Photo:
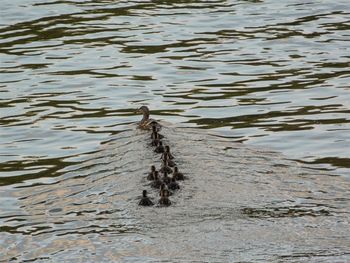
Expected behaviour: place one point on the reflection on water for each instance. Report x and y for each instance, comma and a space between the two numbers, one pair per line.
272, 74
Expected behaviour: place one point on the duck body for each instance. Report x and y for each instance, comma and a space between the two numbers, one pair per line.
164, 201
171, 163
145, 201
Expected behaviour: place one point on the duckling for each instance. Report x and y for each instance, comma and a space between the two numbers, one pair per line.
162, 189
165, 168
157, 126
145, 201
177, 175
156, 140
146, 123
165, 157
155, 132
160, 147
173, 185
156, 183
167, 153
164, 200
166, 179
150, 176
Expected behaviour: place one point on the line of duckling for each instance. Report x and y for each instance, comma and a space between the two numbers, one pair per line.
167, 185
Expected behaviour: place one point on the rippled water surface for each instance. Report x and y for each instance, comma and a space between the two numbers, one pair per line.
262, 85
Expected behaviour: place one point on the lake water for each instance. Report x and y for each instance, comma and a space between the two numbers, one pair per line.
255, 100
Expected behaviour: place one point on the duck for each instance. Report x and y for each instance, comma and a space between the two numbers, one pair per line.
163, 188
165, 157
150, 176
146, 123
173, 185
156, 182
160, 147
166, 179
167, 153
164, 200
155, 140
177, 175
165, 168
155, 133
145, 201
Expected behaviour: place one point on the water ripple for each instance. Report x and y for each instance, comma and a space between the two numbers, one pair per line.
271, 74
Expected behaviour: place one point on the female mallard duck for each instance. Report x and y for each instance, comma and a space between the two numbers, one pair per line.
146, 123
173, 185
150, 176
156, 182
160, 147
145, 201
166, 179
164, 200
165, 168
177, 175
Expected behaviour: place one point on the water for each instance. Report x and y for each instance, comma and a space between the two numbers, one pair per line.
273, 75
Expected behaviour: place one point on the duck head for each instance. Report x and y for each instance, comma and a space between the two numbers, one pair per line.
145, 111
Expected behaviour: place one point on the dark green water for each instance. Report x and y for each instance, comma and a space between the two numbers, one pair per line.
265, 76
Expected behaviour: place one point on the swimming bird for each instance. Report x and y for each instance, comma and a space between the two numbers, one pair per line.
145, 201
165, 157
155, 133
167, 153
151, 173
160, 147
166, 179
164, 200
162, 189
173, 185
156, 182
146, 123
165, 168
177, 175
155, 140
